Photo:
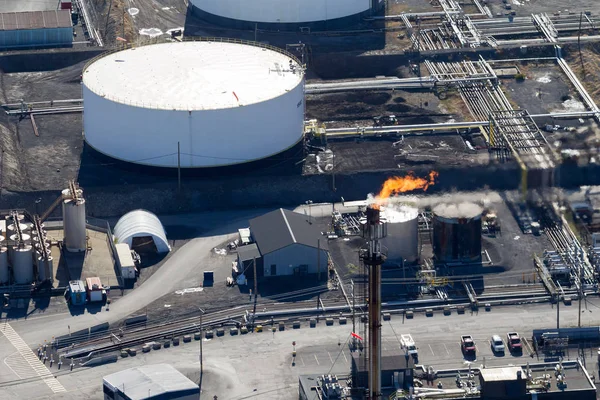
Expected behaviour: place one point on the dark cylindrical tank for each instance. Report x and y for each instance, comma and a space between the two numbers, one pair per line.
457, 233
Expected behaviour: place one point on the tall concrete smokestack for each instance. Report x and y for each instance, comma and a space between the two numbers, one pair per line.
374, 228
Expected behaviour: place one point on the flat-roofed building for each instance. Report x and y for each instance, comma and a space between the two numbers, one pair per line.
36, 29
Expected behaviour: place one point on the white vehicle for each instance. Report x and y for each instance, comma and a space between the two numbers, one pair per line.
497, 344
407, 344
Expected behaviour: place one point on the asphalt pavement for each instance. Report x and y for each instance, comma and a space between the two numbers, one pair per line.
261, 364
183, 269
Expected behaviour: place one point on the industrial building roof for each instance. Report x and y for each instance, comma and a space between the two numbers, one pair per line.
248, 252
140, 223
151, 381
281, 228
35, 20
193, 76
393, 360
76, 286
500, 374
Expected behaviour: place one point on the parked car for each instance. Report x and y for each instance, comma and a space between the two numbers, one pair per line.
467, 344
497, 344
513, 340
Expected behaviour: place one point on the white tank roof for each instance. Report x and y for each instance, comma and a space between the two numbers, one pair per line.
140, 223
192, 75
399, 213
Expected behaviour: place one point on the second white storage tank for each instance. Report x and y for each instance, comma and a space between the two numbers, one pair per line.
74, 221
22, 264
402, 240
4, 272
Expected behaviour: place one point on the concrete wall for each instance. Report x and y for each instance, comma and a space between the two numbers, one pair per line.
289, 257
45, 60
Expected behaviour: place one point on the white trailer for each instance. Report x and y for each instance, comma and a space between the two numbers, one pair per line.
125, 261
408, 345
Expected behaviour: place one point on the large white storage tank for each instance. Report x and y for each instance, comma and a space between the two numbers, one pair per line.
283, 14
220, 102
22, 264
73, 209
402, 240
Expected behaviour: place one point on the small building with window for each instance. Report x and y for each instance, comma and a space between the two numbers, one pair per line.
287, 244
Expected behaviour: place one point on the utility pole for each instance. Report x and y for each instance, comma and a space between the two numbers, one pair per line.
108, 16
123, 28
319, 262
579, 42
580, 296
353, 316
256, 32
178, 168
201, 358
557, 311
255, 293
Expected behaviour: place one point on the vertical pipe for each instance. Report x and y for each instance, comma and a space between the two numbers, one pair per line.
178, 167
318, 260
558, 311
375, 331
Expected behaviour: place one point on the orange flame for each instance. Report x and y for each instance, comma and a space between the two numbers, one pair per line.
408, 183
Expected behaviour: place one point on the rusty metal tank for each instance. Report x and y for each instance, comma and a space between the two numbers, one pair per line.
457, 233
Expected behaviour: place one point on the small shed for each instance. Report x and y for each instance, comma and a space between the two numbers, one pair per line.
159, 381
244, 236
36, 29
396, 370
502, 383
95, 290
142, 231
247, 255
76, 293
125, 261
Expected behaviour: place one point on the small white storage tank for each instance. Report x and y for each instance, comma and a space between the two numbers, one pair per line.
25, 241
402, 240
74, 221
9, 219
44, 268
22, 264
4, 272
12, 228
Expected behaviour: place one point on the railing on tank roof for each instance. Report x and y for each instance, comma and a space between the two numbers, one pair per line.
176, 107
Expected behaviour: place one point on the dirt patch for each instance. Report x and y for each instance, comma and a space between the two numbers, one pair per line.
363, 106
398, 108
588, 72
453, 104
115, 22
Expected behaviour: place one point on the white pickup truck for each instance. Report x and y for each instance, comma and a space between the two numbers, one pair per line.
408, 344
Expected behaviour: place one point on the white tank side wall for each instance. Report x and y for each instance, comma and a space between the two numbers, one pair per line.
4, 273
207, 138
44, 268
283, 11
22, 263
402, 241
74, 225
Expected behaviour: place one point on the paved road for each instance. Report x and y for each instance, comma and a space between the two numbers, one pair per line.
257, 365
181, 270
